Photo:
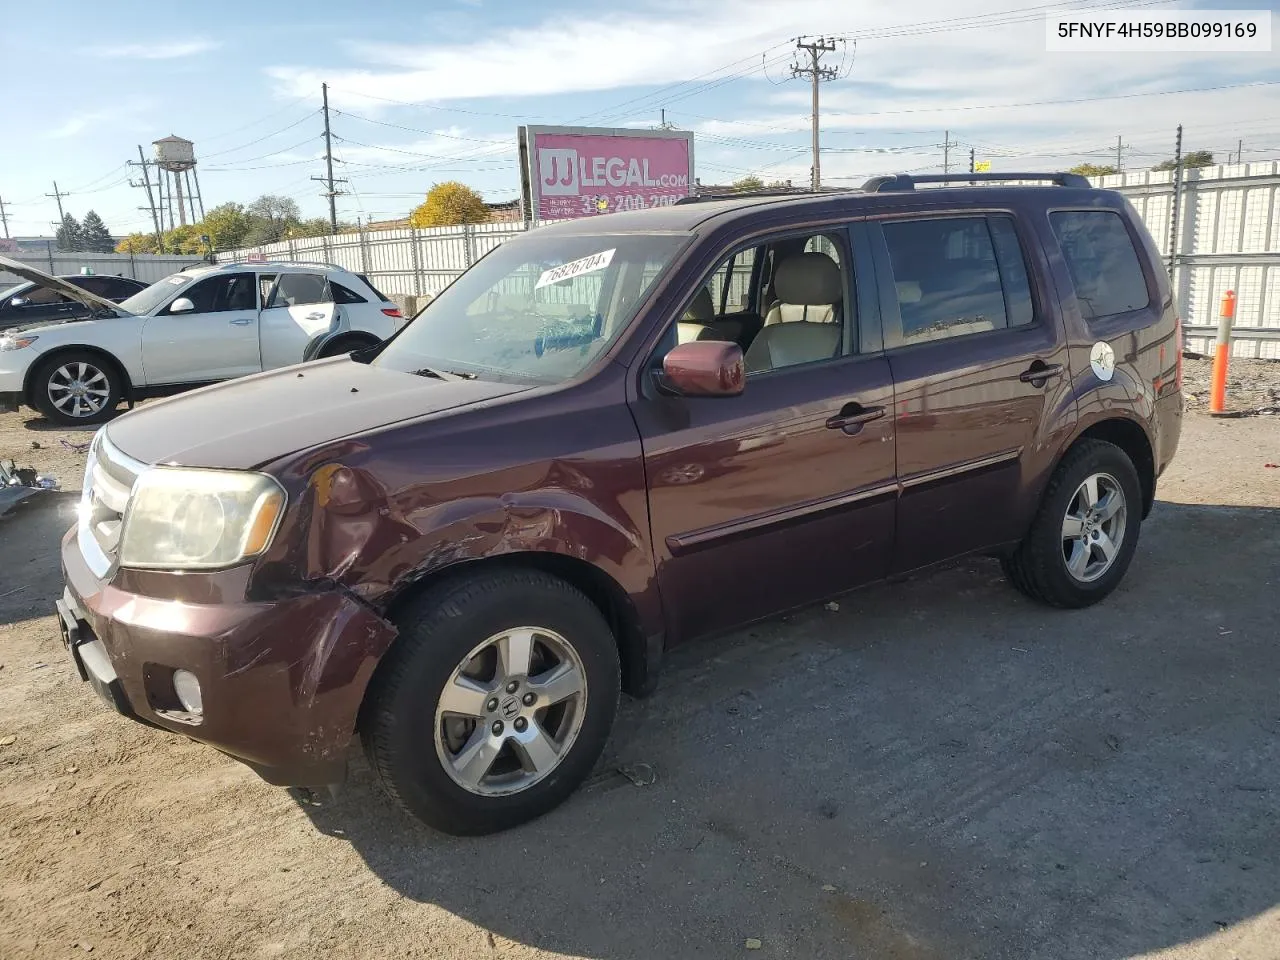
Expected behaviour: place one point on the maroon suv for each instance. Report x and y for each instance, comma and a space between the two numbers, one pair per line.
614, 435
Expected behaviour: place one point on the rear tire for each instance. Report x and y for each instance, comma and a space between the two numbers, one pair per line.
1085, 531
464, 734
341, 345
77, 387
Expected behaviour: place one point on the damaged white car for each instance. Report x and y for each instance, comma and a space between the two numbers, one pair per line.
205, 324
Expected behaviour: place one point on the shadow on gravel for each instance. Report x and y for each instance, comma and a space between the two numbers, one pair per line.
940, 768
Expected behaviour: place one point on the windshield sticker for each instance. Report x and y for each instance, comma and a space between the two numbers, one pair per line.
575, 268
177, 279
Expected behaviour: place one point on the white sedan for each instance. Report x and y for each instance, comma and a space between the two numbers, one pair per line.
202, 325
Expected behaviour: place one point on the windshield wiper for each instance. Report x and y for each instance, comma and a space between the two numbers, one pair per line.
442, 374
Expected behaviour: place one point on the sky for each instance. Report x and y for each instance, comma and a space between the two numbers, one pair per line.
426, 92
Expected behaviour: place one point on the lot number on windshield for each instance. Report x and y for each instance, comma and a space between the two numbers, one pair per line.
575, 268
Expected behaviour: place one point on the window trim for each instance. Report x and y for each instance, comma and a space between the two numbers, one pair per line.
886, 285
1139, 248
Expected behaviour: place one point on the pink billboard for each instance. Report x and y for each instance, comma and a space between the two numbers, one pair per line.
572, 172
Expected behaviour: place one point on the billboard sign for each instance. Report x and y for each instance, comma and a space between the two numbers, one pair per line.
572, 172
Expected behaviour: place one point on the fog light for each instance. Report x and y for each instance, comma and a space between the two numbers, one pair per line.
187, 687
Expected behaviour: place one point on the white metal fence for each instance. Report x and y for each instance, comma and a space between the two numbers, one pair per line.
1228, 239
145, 267
415, 262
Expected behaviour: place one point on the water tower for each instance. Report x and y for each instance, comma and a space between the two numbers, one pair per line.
176, 160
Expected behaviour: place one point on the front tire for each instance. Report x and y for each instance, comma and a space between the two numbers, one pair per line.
1085, 532
77, 388
495, 702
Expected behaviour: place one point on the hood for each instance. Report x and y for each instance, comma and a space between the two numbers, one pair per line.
67, 289
242, 424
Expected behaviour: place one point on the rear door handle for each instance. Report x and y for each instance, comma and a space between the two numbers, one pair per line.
852, 416
1039, 372
241, 321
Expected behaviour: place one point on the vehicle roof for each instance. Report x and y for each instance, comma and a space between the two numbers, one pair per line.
687, 217
275, 266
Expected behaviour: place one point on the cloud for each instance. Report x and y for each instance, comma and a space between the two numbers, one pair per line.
172, 50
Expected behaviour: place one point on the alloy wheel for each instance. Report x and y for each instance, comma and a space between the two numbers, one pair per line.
510, 711
79, 389
1094, 527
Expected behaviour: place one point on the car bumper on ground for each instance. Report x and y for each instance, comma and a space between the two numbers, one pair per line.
280, 683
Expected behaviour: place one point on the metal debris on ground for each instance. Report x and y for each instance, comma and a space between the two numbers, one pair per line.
753, 943
18, 483
641, 774
78, 447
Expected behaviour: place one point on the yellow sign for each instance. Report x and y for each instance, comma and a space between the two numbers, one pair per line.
982, 166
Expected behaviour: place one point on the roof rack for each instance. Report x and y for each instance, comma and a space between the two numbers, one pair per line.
748, 194
897, 182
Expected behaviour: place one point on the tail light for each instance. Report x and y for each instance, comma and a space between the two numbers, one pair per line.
392, 311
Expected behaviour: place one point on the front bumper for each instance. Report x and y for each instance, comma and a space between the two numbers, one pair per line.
281, 682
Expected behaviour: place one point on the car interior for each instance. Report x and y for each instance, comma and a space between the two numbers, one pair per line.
781, 302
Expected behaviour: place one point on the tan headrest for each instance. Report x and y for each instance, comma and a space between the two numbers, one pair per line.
810, 279
702, 309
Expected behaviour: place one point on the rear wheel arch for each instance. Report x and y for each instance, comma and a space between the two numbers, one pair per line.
1129, 436
335, 345
639, 658
29, 381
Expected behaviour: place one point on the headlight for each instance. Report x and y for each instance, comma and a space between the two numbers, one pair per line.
181, 519
16, 343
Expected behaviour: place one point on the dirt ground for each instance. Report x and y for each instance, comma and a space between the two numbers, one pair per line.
936, 769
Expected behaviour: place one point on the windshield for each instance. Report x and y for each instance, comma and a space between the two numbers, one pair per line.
538, 308
144, 301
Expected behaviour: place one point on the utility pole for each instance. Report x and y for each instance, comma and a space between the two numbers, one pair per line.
816, 73
1177, 202
58, 195
1119, 153
947, 144
4, 219
151, 200
331, 193
1239, 151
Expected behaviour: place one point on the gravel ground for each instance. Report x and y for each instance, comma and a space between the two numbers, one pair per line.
935, 769
1253, 386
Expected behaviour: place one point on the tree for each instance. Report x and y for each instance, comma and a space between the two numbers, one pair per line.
1196, 158
137, 243
1093, 169
449, 204
315, 227
94, 235
748, 184
270, 217
69, 233
227, 225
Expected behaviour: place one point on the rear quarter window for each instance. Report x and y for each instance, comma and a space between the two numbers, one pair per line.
1102, 260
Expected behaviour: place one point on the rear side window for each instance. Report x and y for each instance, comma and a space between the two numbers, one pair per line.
342, 295
957, 275
1102, 260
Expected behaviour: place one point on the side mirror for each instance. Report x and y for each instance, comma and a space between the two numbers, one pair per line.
704, 368
19, 302
181, 305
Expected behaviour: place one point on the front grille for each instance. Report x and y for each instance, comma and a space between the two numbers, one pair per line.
108, 482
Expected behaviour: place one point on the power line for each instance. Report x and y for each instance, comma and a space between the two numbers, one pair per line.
274, 133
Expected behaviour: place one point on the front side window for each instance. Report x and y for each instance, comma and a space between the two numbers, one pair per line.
227, 292
948, 279
1103, 263
300, 289
43, 296
540, 308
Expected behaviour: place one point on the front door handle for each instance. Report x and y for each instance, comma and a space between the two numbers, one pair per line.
1039, 372
853, 416
315, 316
241, 321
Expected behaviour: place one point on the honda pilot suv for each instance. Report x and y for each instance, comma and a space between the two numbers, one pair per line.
611, 436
